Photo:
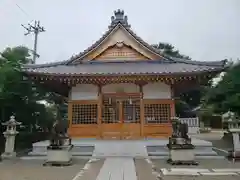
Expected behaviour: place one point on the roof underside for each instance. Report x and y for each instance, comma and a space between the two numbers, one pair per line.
163, 66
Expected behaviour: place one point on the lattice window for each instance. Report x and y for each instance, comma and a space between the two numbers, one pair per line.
157, 113
110, 111
84, 114
131, 111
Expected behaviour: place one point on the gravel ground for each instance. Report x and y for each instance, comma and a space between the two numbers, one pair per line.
216, 138
92, 171
144, 170
33, 170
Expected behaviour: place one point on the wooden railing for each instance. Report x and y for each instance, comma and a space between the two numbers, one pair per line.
193, 124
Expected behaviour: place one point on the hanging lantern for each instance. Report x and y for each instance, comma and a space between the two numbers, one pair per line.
130, 101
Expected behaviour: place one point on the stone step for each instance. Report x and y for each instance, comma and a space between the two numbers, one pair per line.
199, 172
122, 148
197, 153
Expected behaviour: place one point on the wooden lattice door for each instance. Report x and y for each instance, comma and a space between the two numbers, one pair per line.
131, 118
111, 122
121, 117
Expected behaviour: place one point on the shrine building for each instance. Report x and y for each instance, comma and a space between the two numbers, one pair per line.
121, 87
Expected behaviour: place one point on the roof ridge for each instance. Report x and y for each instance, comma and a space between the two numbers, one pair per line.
50, 64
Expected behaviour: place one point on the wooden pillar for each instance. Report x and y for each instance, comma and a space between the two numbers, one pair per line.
173, 113
141, 111
99, 118
121, 120
69, 117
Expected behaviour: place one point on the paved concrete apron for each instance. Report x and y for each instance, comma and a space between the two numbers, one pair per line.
118, 169
120, 149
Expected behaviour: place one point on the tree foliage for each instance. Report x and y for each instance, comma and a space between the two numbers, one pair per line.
169, 50
187, 100
18, 95
226, 94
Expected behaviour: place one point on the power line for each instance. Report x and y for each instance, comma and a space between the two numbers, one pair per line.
22, 10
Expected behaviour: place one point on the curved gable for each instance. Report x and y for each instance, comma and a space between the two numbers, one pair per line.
119, 31
121, 35
120, 52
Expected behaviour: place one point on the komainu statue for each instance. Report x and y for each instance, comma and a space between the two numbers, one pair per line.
59, 150
181, 151
59, 134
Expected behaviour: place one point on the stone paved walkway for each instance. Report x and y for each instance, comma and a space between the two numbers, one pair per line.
118, 169
120, 149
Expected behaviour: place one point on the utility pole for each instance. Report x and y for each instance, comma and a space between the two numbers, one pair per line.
36, 29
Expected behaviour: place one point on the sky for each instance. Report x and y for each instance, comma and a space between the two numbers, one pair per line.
205, 30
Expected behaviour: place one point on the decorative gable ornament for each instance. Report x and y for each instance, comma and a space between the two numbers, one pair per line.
119, 17
119, 44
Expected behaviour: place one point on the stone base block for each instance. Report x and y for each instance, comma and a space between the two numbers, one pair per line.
59, 156
182, 156
234, 155
8, 155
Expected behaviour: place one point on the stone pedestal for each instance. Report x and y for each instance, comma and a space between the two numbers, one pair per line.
234, 154
181, 151
185, 155
10, 135
59, 155
182, 155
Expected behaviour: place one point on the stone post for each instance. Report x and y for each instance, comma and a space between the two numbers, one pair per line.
10, 135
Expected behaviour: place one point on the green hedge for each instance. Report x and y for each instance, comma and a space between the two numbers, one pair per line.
24, 140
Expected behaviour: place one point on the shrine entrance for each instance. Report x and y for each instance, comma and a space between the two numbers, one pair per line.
121, 116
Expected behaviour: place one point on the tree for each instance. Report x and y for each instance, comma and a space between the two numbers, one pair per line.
20, 96
187, 100
169, 50
226, 94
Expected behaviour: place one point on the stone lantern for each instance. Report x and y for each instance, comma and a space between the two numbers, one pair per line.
232, 122
10, 135
234, 131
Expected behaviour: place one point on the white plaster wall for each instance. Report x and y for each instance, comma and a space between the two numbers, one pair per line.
157, 90
84, 92
122, 87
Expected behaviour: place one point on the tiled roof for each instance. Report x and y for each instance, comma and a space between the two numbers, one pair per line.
121, 68
166, 65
